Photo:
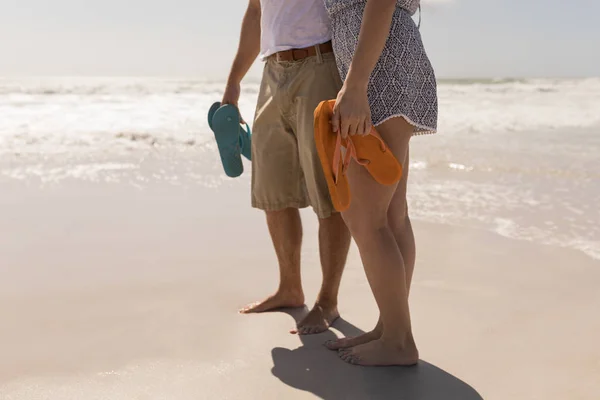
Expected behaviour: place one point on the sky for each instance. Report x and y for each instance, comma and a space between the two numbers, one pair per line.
198, 38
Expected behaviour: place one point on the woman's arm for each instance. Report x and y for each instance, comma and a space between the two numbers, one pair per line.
377, 20
352, 114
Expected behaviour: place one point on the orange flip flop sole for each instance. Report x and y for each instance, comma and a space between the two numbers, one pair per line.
382, 164
327, 145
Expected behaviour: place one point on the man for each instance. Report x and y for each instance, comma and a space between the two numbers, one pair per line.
293, 38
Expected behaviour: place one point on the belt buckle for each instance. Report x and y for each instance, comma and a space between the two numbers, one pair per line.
303, 51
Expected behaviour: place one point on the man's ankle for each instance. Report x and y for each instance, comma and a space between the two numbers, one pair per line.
291, 289
326, 302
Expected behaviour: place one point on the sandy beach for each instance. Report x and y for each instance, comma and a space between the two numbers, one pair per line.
115, 292
125, 253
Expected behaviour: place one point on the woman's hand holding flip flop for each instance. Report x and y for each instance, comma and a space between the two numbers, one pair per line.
352, 114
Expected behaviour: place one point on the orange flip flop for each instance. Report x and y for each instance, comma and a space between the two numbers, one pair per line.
371, 151
329, 148
377, 158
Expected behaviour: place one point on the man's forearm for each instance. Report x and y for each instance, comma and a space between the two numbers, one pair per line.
249, 46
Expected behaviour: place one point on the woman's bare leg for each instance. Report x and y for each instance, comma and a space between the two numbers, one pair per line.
402, 229
401, 225
369, 222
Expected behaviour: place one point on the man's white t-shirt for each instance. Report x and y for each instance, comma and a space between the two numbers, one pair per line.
292, 24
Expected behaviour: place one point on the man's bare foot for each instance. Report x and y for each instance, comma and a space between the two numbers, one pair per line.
281, 299
318, 320
380, 353
345, 343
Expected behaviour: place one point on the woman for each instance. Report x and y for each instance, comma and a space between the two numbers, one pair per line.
389, 83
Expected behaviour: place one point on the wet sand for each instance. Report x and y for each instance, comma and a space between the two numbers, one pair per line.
111, 292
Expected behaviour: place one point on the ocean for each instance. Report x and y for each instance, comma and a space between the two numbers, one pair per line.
519, 157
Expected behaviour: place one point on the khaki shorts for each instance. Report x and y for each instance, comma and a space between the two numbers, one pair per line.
286, 171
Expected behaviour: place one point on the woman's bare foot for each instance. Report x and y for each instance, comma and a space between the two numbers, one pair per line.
281, 299
318, 320
381, 353
345, 343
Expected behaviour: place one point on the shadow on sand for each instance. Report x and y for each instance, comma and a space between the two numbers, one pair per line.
315, 369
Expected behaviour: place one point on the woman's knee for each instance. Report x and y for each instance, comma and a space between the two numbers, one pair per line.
398, 211
365, 225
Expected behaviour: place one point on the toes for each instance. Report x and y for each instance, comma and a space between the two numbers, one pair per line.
349, 357
317, 329
354, 360
309, 330
344, 352
301, 330
346, 356
251, 308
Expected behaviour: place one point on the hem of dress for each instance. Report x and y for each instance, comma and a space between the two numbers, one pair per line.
425, 130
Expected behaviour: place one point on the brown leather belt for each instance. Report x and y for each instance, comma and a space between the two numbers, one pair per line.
300, 54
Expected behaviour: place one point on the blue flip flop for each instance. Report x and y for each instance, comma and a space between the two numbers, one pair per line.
246, 142
211, 113
245, 133
232, 139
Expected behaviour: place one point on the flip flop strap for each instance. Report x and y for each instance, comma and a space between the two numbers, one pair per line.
350, 154
337, 155
376, 134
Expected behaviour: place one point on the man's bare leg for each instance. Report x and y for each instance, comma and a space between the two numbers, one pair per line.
285, 227
334, 243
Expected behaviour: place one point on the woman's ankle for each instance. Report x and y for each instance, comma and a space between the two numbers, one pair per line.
403, 340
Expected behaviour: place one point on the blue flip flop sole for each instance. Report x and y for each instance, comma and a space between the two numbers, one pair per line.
246, 142
211, 113
225, 124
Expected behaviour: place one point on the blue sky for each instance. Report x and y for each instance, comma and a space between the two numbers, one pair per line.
464, 38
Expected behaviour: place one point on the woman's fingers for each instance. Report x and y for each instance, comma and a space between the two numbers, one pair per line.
345, 126
360, 127
357, 127
367, 126
335, 120
350, 124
